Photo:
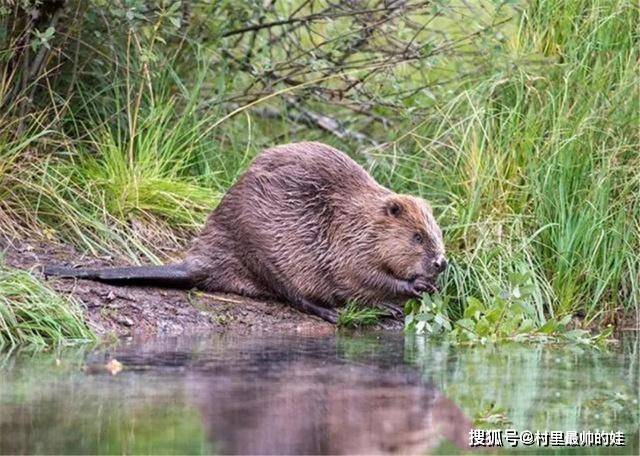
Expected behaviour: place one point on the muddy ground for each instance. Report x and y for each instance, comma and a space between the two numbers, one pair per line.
149, 311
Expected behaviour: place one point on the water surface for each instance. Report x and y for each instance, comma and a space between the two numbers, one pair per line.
348, 393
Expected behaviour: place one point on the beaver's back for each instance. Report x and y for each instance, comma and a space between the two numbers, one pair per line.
313, 162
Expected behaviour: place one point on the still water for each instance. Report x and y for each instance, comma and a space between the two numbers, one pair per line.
345, 393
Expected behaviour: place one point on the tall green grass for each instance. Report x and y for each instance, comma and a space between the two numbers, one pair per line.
536, 169
131, 188
31, 313
135, 176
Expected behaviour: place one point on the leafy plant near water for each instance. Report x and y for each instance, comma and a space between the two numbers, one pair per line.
534, 169
508, 316
32, 313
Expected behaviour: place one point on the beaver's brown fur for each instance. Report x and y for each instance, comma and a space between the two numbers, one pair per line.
308, 225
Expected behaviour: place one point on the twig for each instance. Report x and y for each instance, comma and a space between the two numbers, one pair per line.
309, 18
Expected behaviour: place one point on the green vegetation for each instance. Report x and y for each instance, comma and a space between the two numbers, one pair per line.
32, 313
353, 316
517, 120
536, 168
509, 316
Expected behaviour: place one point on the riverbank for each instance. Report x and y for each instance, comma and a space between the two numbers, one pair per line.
144, 312
93, 309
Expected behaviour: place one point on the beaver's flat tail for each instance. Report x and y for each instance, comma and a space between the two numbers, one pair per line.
170, 276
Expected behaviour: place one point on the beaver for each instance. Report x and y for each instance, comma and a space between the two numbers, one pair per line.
307, 225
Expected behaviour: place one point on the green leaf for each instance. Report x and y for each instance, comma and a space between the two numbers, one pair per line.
474, 308
527, 290
510, 325
408, 319
516, 292
443, 321
483, 327
517, 278
466, 323
493, 315
519, 308
175, 21
48, 34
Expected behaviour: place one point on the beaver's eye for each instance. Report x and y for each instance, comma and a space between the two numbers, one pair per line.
417, 238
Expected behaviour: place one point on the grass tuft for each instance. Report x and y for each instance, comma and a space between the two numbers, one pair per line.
32, 313
353, 316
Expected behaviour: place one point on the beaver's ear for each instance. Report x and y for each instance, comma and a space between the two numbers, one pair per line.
393, 207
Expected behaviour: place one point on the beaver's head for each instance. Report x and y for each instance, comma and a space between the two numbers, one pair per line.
409, 240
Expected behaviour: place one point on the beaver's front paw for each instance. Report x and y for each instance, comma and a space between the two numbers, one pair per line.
419, 286
415, 287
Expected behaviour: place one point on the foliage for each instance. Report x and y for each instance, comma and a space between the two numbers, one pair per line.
353, 315
32, 313
534, 169
508, 316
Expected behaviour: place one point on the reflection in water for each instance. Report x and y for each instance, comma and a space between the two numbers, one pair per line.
287, 395
343, 394
318, 404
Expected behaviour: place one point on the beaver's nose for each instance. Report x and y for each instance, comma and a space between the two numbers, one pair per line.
440, 264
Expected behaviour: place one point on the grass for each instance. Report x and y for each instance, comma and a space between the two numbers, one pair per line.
531, 165
535, 169
354, 316
31, 313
